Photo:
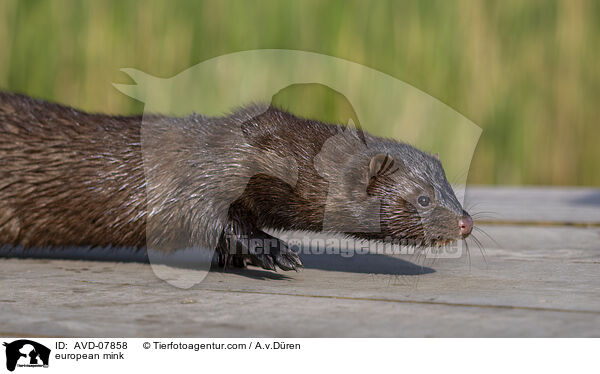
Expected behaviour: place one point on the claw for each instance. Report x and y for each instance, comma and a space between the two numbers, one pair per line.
275, 256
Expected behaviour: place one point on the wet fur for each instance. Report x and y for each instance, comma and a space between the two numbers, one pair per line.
73, 178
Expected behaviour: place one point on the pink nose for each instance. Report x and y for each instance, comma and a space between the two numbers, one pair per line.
466, 225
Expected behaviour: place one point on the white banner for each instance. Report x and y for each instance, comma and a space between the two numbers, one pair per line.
151, 355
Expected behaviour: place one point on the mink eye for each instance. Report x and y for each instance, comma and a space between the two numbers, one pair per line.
423, 201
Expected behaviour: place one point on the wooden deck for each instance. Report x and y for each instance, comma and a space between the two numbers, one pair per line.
540, 277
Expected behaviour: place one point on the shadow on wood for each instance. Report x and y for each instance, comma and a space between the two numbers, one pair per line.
364, 263
358, 263
592, 198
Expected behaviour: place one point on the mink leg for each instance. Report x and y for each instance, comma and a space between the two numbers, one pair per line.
241, 245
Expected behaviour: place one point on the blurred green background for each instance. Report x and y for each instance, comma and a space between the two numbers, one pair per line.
526, 72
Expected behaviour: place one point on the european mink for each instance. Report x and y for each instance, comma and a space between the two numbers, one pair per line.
69, 178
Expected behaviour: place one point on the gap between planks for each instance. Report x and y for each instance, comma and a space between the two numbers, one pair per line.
537, 223
422, 302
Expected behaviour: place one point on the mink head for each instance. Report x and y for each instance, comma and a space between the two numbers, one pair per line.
418, 204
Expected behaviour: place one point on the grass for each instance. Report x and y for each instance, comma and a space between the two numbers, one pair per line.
525, 72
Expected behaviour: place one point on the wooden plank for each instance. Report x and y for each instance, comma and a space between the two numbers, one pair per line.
535, 204
518, 292
71, 298
535, 281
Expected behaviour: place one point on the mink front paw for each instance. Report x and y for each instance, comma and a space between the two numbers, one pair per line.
286, 259
279, 255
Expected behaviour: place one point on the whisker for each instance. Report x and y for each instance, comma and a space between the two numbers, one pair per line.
481, 249
474, 208
479, 229
468, 253
485, 215
472, 205
459, 176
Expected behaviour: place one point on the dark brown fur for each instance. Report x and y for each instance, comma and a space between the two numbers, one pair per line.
69, 178
72, 178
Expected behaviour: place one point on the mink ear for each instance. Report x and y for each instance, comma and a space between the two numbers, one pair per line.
381, 165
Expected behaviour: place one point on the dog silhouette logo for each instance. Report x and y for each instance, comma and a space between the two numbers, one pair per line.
26, 353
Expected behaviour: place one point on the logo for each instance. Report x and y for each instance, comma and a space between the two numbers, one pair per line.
290, 79
26, 353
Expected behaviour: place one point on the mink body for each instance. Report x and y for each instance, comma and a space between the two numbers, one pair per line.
70, 178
